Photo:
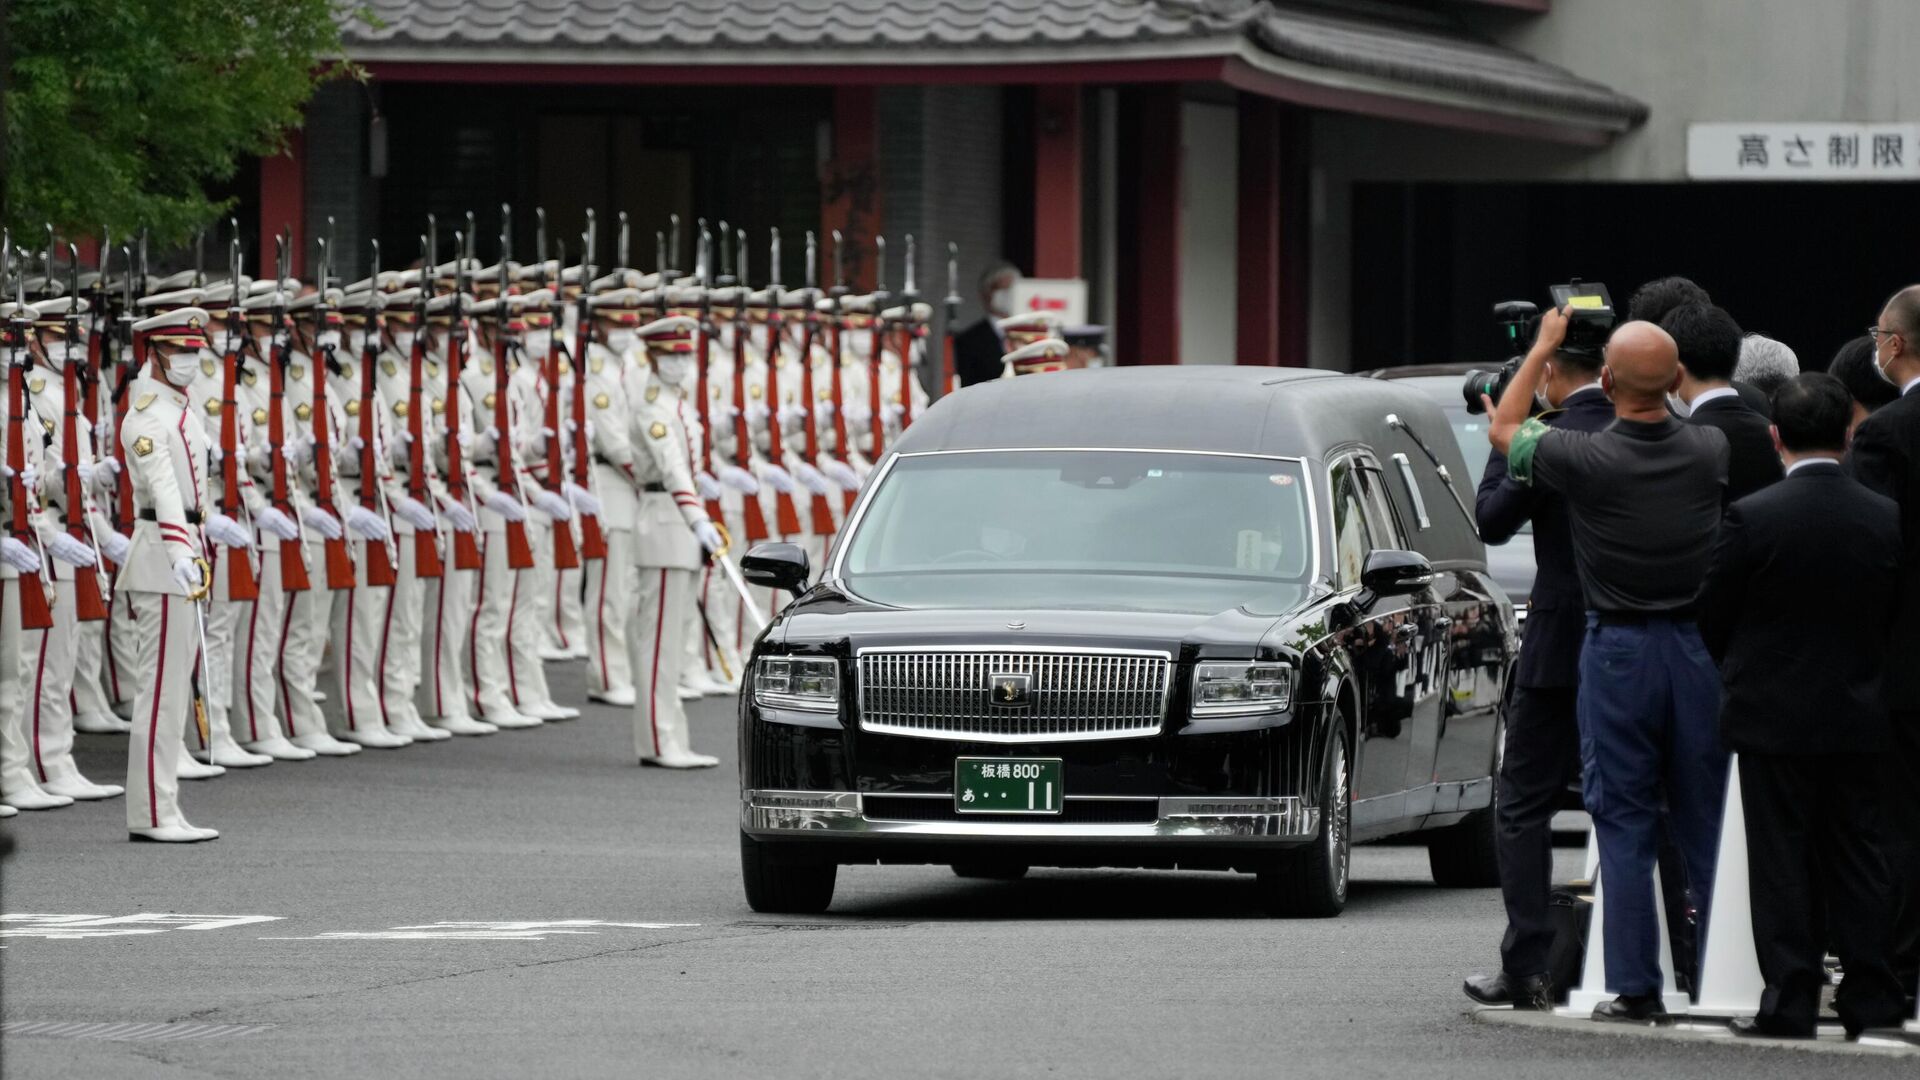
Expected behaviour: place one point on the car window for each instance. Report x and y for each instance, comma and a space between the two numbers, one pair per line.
1351, 539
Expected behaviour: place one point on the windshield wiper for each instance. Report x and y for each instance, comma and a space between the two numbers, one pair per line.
1394, 421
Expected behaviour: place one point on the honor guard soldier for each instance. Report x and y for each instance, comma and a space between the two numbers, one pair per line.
714, 634
610, 581
166, 574
568, 629
673, 531
49, 653
1034, 344
22, 569
901, 393
530, 617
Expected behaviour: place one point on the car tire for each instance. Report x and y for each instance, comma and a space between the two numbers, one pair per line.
780, 880
1311, 881
990, 871
1466, 854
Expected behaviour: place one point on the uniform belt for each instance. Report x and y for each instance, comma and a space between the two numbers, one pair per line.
1683, 613
662, 488
193, 516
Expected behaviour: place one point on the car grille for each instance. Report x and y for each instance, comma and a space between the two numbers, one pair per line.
948, 694
1076, 811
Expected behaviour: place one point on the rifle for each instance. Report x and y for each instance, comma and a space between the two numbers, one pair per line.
383, 563
91, 596
519, 551
293, 560
98, 331
786, 517
835, 319
129, 363
426, 542
339, 552
36, 594
909, 330
565, 556
702, 350
756, 519
953, 320
243, 583
877, 423
466, 547
821, 511
593, 543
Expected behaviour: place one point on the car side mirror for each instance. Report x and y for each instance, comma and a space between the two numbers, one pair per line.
776, 566
1392, 573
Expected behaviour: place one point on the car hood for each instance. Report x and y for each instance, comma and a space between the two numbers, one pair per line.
828, 618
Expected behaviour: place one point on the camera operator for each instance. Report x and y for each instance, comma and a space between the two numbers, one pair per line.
1643, 498
1542, 736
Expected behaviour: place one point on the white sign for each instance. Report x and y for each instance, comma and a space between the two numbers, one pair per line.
1065, 297
1803, 151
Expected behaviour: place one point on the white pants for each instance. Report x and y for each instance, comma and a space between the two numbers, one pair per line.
487, 636
89, 670
609, 602
259, 710
169, 647
224, 620
358, 627
447, 617
304, 621
664, 598
569, 610
46, 672
529, 616
400, 670
16, 750
123, 653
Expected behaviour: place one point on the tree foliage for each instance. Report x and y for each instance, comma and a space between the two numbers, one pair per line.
121, 112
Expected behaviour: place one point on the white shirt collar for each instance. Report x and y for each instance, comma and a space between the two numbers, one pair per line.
1804, 463
1710, 395
1911, 383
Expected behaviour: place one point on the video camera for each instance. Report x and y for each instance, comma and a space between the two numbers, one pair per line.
1590, 317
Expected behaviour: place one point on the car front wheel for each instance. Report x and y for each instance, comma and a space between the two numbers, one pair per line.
782, 880
1311, 881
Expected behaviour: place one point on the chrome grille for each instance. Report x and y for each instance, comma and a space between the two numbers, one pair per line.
947, 694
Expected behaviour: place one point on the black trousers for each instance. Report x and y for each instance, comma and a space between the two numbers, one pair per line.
1816, 874
1901, 765
1542, 758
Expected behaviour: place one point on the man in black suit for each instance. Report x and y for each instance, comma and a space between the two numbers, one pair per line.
977, 349
1709, 342
1653, 301
1542, 739
1886, 457
1796, 608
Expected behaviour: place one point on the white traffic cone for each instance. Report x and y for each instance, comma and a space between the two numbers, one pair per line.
1593, 973
1730, 982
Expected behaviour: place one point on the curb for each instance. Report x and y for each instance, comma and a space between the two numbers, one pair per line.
1702, 1030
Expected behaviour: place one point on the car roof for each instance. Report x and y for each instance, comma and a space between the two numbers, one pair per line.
1291, 412
1415, 371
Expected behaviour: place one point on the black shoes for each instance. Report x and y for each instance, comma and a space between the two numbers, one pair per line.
1752, 1027
1534, 992
1632, 1009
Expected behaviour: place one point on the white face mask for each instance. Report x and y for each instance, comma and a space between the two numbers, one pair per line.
403, 341
220, 340
621, 341
182, 366
60, 353
1882, 368
539, 343
329, 339
1000, 303
860, 343
673, 368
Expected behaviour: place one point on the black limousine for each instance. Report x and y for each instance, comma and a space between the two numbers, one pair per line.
1224, 618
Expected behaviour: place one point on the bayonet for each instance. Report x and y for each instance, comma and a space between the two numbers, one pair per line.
540, 246
199, 243
773, 268
429, 258
740, 238
726, 277
673, 244
879, 271
839, 287
620, 248
813, 255
907, 290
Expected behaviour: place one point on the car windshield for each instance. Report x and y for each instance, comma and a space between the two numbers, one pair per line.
1110, 529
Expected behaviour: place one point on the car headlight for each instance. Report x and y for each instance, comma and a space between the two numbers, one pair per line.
810, 684
1240, 688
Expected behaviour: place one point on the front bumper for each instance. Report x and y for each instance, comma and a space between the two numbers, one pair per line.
1282, 821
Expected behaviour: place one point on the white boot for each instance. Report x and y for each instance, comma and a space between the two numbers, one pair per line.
411, 726
324, 744
547, 710
463, 725
681, 759
279, 749
79, 788
33, 797
513, 720
192, 768
375, 738
101, 724
173, 834
7, 811
622, 696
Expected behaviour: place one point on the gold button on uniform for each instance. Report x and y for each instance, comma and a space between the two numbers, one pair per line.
143, 446
391, 369
207, 366
400, 408
303, 411
653, 394
439, 406
601, 401
489, 400
658, 430
296, 373
259, 416
353, 407
213, 406
36, 385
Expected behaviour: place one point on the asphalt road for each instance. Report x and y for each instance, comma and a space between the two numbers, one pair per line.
407, 890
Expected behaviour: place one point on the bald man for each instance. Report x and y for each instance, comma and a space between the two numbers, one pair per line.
1643, 497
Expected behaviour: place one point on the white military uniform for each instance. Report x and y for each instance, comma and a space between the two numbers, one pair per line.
715, 668
531, 605
167, 463
568, 633
667, 557
93, 704
610, 581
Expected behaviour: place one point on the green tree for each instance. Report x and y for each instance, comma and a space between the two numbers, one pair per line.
120, 112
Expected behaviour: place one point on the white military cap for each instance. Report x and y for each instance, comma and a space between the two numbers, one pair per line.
537, 300
384, 281
362, 301
1047, 354
265, 285
54, 311
671, 334
177, 298
45, 286
181, 326
220, 294
181, 280
623, 306
922, 312
623, 279
443, 305
312, 299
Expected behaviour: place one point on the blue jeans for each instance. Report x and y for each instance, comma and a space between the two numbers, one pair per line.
1649, 711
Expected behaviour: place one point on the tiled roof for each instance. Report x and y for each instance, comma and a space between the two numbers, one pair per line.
1404, 48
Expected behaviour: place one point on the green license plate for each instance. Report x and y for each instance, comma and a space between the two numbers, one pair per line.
1007, 785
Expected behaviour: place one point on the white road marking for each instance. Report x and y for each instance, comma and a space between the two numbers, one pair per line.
76, 927
486, 930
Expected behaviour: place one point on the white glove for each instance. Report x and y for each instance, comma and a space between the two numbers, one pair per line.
589, 431
583, 500
228, 531
457, 516
367, 525
811, 478
115, 545
215, 454
493, 434
19, 556
103, 428
791, 415
778, 479
893, 412
739, 480
826, 409
322, 522
6, 471
466, 441
30, 478
858, 413
406, 436
709, 536
709, 490
506, 506
553, 505
299, 452
187, 573
726, 413
356, 444
89, 473
757, 413
240, 455
112, 464
274, 523
416, 514
841, 474
71, 551
547, 433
